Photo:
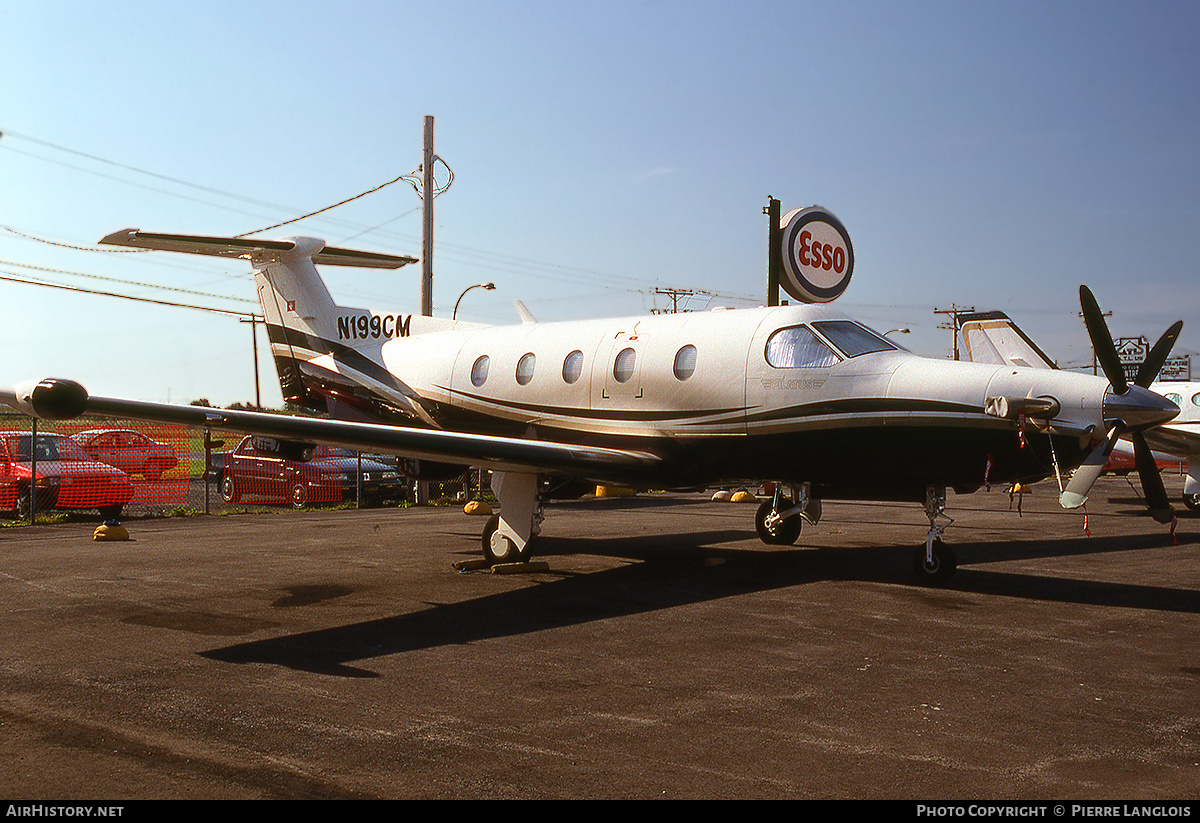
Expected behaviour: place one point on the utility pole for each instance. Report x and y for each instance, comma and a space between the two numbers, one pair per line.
427, 222
423, 486
254, 320
674, 294
1094, 363
953, 312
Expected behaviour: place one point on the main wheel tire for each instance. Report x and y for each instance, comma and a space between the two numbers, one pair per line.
938, 572
506, 551
24, 503
784, 533
1192, 501
229, 489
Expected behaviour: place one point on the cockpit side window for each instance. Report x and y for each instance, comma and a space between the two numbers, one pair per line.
852, 339
798, 347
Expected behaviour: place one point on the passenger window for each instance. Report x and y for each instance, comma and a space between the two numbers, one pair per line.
685, 362
1174, 398
573, 366
1196, 399
797, 347
623, 365
525, 369
479, 371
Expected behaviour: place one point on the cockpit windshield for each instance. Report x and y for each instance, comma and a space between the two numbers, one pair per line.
851, 338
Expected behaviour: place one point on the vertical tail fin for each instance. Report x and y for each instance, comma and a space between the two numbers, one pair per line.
313, 340
991, 337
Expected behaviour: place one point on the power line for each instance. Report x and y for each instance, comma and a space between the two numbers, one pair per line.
29, 282
125, 282
494, 260
675, 295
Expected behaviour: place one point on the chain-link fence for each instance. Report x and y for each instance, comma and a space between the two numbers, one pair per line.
113, 467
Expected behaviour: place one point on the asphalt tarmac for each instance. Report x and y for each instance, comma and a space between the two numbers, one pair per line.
667, 653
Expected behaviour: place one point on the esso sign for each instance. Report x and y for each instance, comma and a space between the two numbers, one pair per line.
817, 256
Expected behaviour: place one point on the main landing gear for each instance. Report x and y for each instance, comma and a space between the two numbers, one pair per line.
778, 520
507, 535
934, 562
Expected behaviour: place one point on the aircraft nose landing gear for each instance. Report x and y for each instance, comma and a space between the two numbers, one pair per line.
935, 562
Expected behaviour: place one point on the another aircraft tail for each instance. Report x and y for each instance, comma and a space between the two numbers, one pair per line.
991, 337
323, 352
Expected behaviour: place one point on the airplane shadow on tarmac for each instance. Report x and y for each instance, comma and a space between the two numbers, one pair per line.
677, 570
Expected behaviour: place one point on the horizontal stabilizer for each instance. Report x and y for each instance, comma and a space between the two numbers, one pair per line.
254, 249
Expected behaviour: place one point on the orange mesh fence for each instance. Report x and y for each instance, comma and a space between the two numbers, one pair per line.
96, 464
115, 465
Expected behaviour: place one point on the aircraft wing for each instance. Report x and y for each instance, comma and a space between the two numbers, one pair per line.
63, 399
1181, 440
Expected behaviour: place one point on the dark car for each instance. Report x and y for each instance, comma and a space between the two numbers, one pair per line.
262, 467
130, 451
66, 477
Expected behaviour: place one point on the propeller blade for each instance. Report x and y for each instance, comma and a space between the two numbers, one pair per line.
1102, 344
1076, 492
1152, 484
1157, 356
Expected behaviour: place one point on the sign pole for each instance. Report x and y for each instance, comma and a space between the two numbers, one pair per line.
774, 253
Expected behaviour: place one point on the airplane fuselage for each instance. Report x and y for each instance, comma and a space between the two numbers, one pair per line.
1184, 431
791, 393
799, 395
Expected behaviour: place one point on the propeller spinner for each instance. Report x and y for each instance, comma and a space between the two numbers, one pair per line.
1129, 409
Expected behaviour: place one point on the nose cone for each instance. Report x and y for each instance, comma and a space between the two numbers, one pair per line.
1138, 408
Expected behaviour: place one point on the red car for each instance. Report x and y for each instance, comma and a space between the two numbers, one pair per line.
67, 478
130, 451
264, 467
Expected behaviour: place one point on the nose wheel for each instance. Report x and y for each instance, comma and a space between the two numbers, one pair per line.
935, 562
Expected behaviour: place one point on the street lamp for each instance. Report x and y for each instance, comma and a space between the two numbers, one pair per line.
488, 286
897, 331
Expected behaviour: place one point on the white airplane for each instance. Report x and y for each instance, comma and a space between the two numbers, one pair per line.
991, 337
800, 395
1181, 437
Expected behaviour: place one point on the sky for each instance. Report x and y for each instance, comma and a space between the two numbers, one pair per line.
993, 155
